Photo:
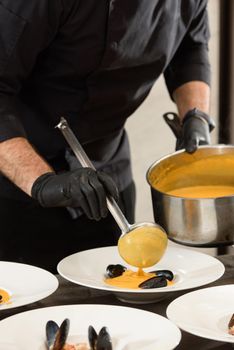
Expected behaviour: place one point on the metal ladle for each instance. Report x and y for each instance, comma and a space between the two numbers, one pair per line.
140, 245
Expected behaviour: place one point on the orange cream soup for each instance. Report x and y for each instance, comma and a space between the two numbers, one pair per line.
209, 177
5, 297
130, 279
203, 191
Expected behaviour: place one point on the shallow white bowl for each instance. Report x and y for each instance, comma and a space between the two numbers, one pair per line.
129, 328
25, 283
205, 312
191, 269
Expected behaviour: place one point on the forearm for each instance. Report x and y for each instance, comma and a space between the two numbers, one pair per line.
195, 94
21, 164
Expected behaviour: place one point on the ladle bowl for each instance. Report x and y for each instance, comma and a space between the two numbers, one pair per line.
144, 245
140, 245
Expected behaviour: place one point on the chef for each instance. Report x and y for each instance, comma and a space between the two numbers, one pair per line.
93, 62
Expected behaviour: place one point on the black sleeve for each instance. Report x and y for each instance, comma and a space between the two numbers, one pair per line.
191, 61
26, 28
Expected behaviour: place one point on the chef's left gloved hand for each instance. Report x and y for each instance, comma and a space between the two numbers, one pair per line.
193, 131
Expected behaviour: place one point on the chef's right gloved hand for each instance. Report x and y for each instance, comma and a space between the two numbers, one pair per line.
82, 188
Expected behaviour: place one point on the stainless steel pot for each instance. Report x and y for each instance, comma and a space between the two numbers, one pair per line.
198, 222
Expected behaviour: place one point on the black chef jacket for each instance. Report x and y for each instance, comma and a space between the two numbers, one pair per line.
93, 61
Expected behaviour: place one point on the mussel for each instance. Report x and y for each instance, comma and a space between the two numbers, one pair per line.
166, 273
101, 341
56, 337
154, 282
115, 270
231, 325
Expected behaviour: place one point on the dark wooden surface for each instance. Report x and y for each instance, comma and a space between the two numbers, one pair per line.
69, 293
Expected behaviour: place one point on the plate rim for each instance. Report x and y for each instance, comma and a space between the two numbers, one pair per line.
227, 340
76, 307
33, 298
144, 291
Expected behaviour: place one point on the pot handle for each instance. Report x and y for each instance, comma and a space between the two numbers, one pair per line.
173, 122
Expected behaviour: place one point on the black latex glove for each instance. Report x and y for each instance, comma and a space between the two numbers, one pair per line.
82, 188
193, 131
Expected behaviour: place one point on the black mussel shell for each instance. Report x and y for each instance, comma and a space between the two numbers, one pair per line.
101, 341
115, 270
154, 282
92, 336
56, 336
51, 331
166, 273
104, 340
231, 322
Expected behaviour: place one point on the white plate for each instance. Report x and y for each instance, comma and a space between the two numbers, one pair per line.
205, 312
25, 283
191, 269
130, 329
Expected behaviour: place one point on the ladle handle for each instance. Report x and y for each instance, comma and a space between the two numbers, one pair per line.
86, 162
